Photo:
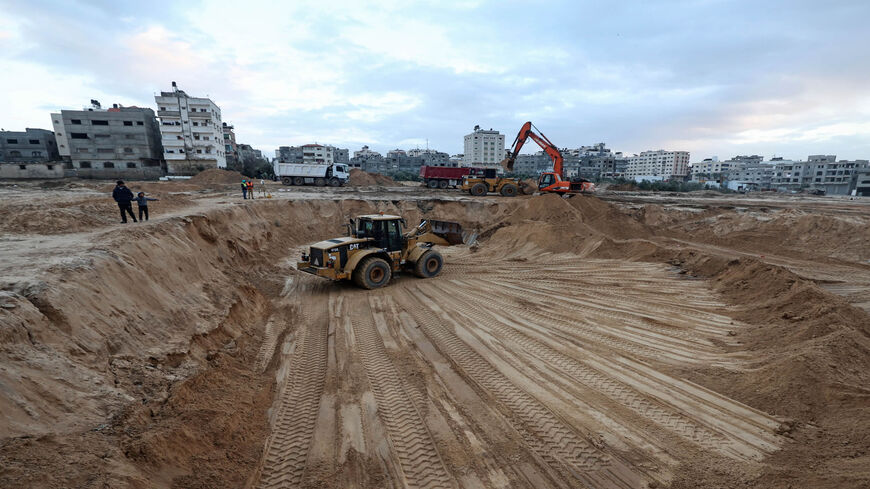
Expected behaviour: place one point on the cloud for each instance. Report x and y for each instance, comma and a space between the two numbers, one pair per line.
710, 77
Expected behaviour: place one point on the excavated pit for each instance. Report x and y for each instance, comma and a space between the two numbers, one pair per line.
580, 344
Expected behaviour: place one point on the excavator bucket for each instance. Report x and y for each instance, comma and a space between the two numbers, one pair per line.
452, 232
507, 164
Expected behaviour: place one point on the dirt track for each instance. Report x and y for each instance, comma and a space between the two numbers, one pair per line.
653, 344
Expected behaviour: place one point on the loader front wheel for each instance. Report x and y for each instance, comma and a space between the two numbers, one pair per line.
429, 264
509, 190
479, 190
372, 273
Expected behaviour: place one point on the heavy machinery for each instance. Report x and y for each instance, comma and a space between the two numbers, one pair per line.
377, 249
552, 181
488, 180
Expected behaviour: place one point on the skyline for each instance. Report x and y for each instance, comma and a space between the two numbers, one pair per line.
711, 77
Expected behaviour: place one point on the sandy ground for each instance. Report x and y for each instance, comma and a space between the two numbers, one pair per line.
628, 341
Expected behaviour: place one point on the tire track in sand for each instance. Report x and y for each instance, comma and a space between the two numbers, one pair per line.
411, 441
620, 393
286, 449
545, 433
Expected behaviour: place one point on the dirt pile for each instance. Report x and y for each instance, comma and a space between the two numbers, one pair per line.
217, 176
360, 178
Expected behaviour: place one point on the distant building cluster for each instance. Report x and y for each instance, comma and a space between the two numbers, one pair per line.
821, 174
184, 137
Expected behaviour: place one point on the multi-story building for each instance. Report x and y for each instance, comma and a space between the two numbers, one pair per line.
710, 168
317, 154
192, 132
658, 165
289, 154
341, 155
365, 153
819, 172
28, 146
860, 182
120, 142
231, 149
484, 147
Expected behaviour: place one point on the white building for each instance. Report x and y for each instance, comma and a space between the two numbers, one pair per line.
658, 165
483, 148
192, 132
317, 154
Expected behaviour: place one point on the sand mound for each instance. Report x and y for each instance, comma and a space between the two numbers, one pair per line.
360, 178
217, 176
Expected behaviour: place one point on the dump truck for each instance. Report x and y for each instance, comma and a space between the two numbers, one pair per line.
334, 175
378, 247
488, 181
446, 176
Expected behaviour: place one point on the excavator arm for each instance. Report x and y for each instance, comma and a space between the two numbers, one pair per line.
525, 133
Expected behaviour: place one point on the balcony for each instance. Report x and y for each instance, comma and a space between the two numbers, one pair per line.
168, 113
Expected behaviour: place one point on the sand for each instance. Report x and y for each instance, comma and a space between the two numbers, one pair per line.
217, 176
360, 178
582, 342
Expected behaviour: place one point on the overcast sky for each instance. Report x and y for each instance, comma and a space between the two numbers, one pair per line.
714, 77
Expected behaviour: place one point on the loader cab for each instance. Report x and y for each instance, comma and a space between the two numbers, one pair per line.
385, 230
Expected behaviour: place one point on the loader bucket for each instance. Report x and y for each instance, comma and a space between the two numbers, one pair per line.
452, 232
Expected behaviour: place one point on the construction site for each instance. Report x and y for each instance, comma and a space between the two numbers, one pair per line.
602, 340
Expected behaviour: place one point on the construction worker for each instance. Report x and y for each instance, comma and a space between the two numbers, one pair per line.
250, 185
244, 189
124, 197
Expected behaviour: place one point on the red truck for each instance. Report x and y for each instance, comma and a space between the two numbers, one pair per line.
445, 176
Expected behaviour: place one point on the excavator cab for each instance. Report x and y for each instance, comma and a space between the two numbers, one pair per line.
546, 180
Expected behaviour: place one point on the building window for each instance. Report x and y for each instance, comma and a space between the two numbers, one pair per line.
162, 108
199, 151
15, 153
181, 151
128, 123
105, 150
78, 135
12, 141
84, 164
205, 137
179, 137
34, 141
36, 153
139, 123
128, 150
195, 123
131, 165
101, 135
82, 150
100, 123
169, 151
50, 167
77, 122
22, 167
108, 164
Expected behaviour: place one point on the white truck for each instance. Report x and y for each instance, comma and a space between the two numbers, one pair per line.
334, 175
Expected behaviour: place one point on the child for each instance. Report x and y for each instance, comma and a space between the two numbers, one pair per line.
143, 204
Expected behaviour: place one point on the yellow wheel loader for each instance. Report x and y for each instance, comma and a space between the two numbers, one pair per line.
378, 248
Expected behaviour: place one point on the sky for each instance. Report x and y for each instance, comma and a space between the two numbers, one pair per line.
713, 77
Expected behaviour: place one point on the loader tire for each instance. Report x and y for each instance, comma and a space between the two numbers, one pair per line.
508, 190
429, 264
372, 273
479, 190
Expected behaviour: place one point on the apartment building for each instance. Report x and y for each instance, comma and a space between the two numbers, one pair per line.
119, 142
318, 154
192, 132
28, 146
658, 165
819, 172
484, 147
231, 148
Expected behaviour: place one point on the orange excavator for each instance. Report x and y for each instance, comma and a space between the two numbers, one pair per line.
551, 181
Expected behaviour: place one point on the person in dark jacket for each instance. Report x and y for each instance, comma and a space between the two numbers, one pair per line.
124, 197
244, 189
143, 205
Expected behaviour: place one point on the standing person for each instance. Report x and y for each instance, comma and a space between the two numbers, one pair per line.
124, 197
251, 188
244, 189
143, 204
